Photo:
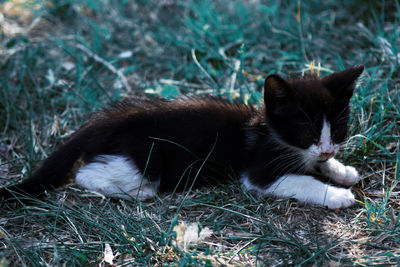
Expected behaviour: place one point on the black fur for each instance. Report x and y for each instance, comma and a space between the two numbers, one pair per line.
170, 141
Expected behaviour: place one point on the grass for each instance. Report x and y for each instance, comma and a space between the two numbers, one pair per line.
60, 60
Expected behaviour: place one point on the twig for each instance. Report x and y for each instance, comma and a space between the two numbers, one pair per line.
234, 76
183, 84
241, 248
199, 65
108, 65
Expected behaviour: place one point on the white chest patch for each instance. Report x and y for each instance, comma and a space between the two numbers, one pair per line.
115, 176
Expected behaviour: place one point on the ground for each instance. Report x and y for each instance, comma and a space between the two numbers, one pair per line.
61, 60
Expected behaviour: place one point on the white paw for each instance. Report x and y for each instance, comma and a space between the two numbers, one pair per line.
350, 177
337, 198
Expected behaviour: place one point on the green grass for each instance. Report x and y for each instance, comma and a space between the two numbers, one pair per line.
69, 58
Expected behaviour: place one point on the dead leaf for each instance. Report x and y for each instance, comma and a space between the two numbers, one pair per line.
108, 254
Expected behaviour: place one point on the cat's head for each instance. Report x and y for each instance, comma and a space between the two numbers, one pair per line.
311, 114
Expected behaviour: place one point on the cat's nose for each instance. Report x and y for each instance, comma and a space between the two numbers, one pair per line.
326, 150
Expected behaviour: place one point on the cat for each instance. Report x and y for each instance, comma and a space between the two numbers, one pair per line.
134, 149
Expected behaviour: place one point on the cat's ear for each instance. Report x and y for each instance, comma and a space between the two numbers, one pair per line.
278, 95
342, 83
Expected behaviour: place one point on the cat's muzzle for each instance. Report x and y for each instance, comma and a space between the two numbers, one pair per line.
323, 157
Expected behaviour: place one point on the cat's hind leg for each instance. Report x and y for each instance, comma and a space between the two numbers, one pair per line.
115, 176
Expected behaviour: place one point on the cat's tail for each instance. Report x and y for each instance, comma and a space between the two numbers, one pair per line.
51, 173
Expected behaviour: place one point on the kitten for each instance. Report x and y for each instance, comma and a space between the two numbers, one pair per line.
134, 149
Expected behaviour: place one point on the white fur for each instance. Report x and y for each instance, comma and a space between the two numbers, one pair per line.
305, 189
310, 157
325, 141
244, 179
115, 176
339, 173
325, 145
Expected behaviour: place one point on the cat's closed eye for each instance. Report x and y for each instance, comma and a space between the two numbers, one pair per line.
310, 135
338, 133
307, 129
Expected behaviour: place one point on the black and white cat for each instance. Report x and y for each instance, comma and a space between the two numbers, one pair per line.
133, 149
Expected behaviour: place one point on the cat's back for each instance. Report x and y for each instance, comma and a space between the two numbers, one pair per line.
183, 110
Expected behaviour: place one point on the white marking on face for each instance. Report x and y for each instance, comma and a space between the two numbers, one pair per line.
325, 148
115, 176
325, 142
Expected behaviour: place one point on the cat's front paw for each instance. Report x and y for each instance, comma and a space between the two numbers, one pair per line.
350, 177
338, 198
339, 173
